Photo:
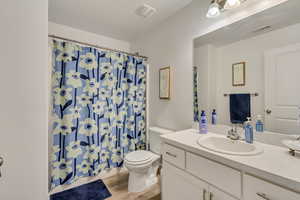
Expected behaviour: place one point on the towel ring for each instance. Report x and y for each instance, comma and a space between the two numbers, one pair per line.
252, 94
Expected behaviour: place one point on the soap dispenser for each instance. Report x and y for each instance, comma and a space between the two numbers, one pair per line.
214, 117
203, 123
259, 124
248, 131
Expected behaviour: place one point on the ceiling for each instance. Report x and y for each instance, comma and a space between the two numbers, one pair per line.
112, 18
277, 17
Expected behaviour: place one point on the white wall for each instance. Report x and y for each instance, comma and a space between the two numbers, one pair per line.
250, 51
171, 43
23, 104
87, 37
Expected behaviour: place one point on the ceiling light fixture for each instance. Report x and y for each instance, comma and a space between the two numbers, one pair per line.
230, 4
213, 10
217, 6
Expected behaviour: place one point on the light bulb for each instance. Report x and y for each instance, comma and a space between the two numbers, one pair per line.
213, 10
232, 4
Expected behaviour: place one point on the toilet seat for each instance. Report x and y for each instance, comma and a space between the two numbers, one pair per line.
140, 157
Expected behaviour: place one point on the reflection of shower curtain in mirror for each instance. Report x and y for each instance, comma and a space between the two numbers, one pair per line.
98, 109
195, 93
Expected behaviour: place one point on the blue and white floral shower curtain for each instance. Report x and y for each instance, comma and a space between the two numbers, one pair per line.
195, 94
99, 110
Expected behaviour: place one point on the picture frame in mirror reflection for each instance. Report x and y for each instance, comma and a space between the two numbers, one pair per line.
164, 83
239, 74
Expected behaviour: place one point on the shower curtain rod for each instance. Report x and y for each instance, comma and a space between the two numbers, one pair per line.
96, 46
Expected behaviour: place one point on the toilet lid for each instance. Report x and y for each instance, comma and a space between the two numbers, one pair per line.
139, 156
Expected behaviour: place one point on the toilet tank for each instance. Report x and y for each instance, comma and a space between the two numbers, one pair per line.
154, 138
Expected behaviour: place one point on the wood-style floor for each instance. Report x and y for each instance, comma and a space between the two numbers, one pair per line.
117, 185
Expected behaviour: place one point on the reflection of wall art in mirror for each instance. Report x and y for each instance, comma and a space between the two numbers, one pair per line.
239, 74
164, 83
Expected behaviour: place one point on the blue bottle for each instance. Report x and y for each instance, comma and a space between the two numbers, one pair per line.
259, 127
214, 117
248, 131
203, 123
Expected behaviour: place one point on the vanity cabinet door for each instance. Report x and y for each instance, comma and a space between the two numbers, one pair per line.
257, 189
221, 176
178, 185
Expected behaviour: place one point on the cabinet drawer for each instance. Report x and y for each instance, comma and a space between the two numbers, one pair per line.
221, 176
174, 155
257, 189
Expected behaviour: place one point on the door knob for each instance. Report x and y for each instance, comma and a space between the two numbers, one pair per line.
268, 111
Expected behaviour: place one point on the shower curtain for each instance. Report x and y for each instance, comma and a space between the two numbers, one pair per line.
195, 94
98, 110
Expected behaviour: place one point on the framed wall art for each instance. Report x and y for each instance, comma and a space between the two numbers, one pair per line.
239, 74
164, 82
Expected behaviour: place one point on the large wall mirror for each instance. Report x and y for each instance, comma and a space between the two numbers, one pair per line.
258, 57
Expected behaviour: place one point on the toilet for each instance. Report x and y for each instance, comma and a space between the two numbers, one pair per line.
143, 165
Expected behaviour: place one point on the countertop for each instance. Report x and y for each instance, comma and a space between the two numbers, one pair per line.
275, 164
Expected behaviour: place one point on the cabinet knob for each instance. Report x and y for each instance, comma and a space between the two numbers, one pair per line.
211, 196
204, 194
262, 195
170, 154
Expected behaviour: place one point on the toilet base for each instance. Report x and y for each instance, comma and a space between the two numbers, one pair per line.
142, 175
139, 182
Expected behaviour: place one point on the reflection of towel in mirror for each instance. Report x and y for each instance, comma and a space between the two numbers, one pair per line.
239, 105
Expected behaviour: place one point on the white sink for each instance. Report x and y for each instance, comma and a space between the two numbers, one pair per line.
226, 146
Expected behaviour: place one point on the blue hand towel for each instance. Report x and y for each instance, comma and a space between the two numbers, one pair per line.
91, 191
240, 108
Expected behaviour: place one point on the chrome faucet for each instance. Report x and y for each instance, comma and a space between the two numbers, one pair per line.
233, 134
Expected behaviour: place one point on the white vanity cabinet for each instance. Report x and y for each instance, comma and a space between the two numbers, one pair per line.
187, 176
180, 181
